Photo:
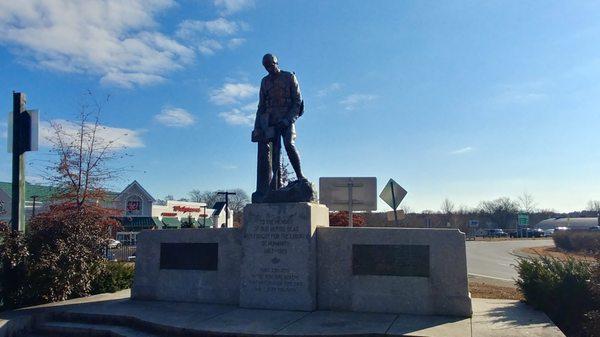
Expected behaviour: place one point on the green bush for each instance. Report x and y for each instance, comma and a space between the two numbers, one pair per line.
577, 241
57, 258
559, 288
592, 318
114, 276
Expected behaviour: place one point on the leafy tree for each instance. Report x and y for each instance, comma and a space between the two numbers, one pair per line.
340, 219
60, 254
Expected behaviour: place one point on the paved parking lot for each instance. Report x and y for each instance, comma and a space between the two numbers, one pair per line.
493, 259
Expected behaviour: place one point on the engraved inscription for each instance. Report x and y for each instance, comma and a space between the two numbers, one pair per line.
390, 260
272, 239
189, 256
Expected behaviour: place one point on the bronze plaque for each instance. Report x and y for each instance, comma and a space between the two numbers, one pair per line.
189, 256
390, 260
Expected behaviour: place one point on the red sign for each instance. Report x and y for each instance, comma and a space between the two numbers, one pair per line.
133, 206
185, 209
168, 214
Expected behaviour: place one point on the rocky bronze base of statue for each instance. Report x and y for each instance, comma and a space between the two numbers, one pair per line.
296, 191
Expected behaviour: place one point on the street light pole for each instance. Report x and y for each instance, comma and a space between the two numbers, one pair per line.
226, 194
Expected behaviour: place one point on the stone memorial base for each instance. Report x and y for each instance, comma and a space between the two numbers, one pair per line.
279, 264
287, 258
393, 270
191, 265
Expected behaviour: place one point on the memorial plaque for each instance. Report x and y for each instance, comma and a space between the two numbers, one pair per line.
279, 262
189, 256
390, 260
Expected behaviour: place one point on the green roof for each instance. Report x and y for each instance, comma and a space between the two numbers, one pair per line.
200, 222
171, 223
43, 192
134, 224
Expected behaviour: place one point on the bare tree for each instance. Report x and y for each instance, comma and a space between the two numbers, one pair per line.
501, 211
238, 200
593, 206
84, 157
527, 203
447, 212
207, 197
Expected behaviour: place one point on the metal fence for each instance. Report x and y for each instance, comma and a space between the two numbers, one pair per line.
122, 252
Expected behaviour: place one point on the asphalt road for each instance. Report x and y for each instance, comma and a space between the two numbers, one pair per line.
492, 259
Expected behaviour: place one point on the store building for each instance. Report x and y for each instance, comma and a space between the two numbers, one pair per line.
138, 211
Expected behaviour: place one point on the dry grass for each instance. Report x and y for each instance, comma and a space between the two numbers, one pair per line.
556, 253
486, 290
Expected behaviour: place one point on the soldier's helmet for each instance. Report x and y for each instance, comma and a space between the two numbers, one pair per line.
269, 58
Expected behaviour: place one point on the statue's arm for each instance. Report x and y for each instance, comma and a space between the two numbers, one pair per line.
296, 97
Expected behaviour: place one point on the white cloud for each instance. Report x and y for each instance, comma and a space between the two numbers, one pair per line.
522, 93
235, 42
209, 47
175, 117
231, 6
192, 28
240, 116
462, 150
116, 138
333, 87
232, 93
113, 39
353, 101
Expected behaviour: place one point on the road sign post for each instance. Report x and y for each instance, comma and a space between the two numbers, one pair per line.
348, 193
393, 194
23, 133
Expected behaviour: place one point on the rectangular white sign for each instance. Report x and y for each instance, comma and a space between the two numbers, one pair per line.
335, 192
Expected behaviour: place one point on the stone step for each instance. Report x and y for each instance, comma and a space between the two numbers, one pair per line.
78, 329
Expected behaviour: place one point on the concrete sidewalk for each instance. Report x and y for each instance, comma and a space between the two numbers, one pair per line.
111, 312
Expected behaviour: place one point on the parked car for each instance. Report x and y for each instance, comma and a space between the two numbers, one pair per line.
595, 229
496, 233
549, 232
528, 233
131, 258
537, 233
112, 243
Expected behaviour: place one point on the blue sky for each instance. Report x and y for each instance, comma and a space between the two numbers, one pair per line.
465, 100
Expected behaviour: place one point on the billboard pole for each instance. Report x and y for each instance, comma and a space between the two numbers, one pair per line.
18, 162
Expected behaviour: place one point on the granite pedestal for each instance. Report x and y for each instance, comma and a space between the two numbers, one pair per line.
286, 257
279, 263
393, 270
191, 265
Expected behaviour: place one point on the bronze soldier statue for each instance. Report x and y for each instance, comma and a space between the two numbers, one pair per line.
280, 104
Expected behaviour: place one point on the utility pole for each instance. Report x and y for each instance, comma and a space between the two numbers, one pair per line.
204, 224
19, 139
226, 194
33, 210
